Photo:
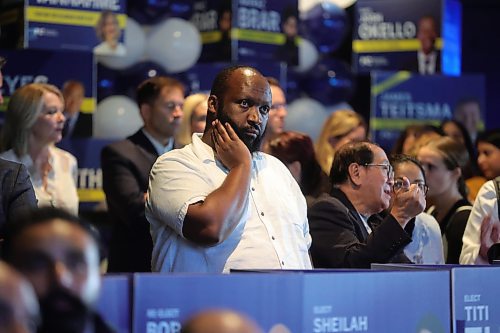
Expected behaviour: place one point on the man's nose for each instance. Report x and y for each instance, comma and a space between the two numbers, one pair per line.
178, 112
62, 275
255, 116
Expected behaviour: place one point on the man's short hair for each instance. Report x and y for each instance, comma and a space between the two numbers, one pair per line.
220, 84
38, 216
354, 152
149, 90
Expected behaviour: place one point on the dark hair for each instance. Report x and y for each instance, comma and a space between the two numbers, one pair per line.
418, 129
3, 61
149, 90
471, 168
354, 152
454, 156
490, 136
36, 216
291, 146
397, 159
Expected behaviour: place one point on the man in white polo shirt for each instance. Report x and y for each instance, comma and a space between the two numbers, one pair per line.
219, 203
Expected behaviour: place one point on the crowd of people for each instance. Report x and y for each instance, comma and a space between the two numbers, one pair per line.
213, 182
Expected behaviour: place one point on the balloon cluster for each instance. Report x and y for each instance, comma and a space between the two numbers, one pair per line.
171, 46
320, 81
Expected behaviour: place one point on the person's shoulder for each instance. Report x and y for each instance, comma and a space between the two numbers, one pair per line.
9, 156
8, 165
63, 154
488, 187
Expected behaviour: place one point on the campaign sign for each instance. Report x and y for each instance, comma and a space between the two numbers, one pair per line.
246, 30
399, 99
89, 180
422, 36
28, 66
377, 302
476, 299
76, 25
114, 302
163, 302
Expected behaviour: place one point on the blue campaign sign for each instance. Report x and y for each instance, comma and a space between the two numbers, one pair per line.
76, 25
476, 299
114, 302
27, 66
163, 302
89, 180
377, 302
399, 99
242, 30
422, 36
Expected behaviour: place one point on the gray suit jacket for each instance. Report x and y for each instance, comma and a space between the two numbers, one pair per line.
16, 192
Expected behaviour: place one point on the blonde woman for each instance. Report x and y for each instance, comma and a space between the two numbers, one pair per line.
108, 31
194, 119
33, 124
341, 127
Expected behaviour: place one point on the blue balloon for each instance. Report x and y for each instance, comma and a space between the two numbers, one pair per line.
330, 81
326, 25
124, 82
150, 12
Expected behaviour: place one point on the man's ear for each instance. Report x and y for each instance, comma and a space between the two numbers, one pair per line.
355, 173
213, 105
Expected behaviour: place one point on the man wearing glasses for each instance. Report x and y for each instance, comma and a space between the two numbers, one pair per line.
341, 228
126, 165
277, 114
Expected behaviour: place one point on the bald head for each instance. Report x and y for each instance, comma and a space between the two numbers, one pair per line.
220, 321
19, 311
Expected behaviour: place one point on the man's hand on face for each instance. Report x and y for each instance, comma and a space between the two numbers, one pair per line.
409, 201
230, 150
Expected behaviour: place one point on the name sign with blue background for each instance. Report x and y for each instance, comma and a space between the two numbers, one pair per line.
385, 34
476, 299
28, 66
399, 99
247, 30
65, 24
114, 303
316, 302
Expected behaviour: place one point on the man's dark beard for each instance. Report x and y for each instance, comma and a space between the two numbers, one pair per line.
252, 144
63, 312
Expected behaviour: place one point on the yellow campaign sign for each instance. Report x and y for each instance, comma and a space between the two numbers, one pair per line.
211, 36
68, 16
91, 195
391, 45
398, 124
258, 36
88, 105
390, 82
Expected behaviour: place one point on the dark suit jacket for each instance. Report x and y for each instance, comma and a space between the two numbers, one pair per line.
340, 240
16, 193
413, 64
125, 169
83, 126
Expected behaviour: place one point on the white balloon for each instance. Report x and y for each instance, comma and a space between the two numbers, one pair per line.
116, 117
306, 115
339, 106
308, 56
175, 44
135, 42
